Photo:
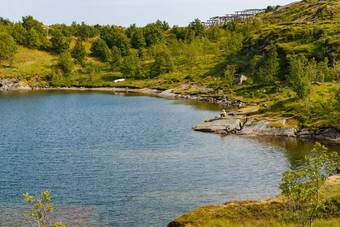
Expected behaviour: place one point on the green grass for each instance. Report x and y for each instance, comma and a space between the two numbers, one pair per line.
316, 111
29, 62
270, 212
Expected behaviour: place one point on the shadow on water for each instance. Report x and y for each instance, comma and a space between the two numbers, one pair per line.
296, 149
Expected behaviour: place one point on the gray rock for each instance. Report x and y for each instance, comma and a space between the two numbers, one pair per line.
220, 125
285, 84
306, 133
9, 83
263, 128
168, 93
328, 134
241, 79
315, 83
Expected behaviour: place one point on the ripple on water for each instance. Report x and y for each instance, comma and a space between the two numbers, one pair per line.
127, 161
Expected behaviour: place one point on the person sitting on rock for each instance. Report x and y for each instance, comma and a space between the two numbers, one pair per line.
223, 114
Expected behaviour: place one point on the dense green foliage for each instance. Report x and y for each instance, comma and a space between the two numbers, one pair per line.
298, 77
59, 43
100, 49
79, 52
66, 63
8, 48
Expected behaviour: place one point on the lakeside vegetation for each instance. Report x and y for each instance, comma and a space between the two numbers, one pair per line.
310, 197
281, 52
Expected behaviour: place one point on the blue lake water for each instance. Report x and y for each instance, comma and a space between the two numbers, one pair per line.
128, 160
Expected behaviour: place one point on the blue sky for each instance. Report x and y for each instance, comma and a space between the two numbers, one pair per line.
126, 12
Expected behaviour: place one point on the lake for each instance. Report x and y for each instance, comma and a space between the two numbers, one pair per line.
128, 160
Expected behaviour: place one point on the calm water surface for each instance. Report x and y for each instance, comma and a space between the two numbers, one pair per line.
118, 160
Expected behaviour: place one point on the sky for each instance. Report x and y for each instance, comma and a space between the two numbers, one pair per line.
126, 12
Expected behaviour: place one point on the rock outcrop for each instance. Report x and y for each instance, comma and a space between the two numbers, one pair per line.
320, 134
238, 124
251, 127
220, 126
267, 128
12, 84
241, 79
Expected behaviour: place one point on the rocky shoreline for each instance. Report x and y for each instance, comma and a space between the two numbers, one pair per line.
235, 123
14, 84
242, 125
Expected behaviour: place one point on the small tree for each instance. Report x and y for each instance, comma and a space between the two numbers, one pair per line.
130, 66
197, 27
324, 72
39, 214
8, 48
153, 34
60, 43
79, 53
137, 40
100, 49
163, 64
83, 32
312, 69
272, 64
298, 77
335, 71
163, 24
337, 99
269, 69
302, 187
229, 74
116, 58
19, 34
254, 64
33, 39
66, 63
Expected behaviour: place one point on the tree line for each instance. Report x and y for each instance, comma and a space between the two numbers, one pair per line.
147, 52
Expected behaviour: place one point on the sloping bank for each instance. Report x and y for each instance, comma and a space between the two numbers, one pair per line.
242, 125
270, 212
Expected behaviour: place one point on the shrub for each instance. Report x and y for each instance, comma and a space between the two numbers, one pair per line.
41, 208
66, 63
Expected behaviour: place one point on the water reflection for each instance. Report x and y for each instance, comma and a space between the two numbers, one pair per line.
296, 149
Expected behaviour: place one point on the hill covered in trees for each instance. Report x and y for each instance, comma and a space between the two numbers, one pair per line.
289, 54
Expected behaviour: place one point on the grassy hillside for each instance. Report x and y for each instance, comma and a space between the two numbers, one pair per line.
193, 58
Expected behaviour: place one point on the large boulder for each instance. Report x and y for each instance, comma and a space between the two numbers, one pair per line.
306, 133
320, 134
328, 134
241, 79
9, 83
220, 125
